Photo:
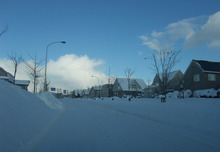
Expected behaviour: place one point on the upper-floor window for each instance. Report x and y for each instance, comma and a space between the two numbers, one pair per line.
211, 77
196, 78
133, 86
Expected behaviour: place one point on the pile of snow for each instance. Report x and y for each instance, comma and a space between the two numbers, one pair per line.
172, 94
205, 93
177, 94
51, 101
187, 93
23, 116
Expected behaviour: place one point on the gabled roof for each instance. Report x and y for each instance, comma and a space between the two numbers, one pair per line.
2, 69
7, 76
208, 66
86, 91
97, 88
141, 83
171, 75
123, 82
7, 73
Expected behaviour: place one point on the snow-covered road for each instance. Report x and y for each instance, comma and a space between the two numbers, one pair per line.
119, 126
42, 123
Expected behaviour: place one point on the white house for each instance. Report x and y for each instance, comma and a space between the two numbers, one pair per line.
124, 86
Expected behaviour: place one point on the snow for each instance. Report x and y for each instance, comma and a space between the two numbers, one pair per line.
27, 123
22, 82
124, 83
22, 116
51, 101
205, 93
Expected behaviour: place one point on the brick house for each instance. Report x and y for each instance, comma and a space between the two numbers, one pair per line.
202, 74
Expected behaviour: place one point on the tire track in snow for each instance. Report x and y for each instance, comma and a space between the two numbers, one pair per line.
161, 126
39, 138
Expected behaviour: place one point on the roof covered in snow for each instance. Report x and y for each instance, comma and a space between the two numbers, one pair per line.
4, 77
3, 69
124, 83
22, 82
97, 88
208, 65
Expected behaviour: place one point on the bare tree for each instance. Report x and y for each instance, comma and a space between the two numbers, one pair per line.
34, 70
128, 73
4, 30
164, 61
16, 60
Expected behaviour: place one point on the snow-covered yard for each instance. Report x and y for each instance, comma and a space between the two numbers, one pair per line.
42, 123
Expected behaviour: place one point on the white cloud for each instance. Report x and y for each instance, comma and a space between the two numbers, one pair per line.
181, 29
151, 43
140, 53
68, 72
171, 33
215, 43
74, 72
192, 31
157, 34
209, 33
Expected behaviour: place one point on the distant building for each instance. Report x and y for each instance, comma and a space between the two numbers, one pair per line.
173, 84
9, 77
6, 75
202, 74
107, 90
85, 93
22, 83
122, 87
95, 92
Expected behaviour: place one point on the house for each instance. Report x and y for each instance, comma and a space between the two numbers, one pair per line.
173, 83
6, 75
107, 90
22, 83
95, 92
201, 74
85, 93
125, 86
9, 77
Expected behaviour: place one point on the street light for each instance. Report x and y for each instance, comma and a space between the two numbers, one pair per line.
98, 84
45, 80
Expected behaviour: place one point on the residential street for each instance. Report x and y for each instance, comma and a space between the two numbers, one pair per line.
86, 126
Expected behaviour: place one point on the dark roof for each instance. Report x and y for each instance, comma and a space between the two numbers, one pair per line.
209, 65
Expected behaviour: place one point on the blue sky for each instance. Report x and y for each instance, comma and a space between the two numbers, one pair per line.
115, 34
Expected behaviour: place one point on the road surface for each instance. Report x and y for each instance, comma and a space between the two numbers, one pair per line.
85, 127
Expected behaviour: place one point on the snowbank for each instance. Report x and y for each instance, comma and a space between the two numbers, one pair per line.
22, 117
51, 101
208, 93
205, 93
172, 94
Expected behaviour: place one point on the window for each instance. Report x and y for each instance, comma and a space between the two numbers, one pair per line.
196, 78
133, 86
211, 77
